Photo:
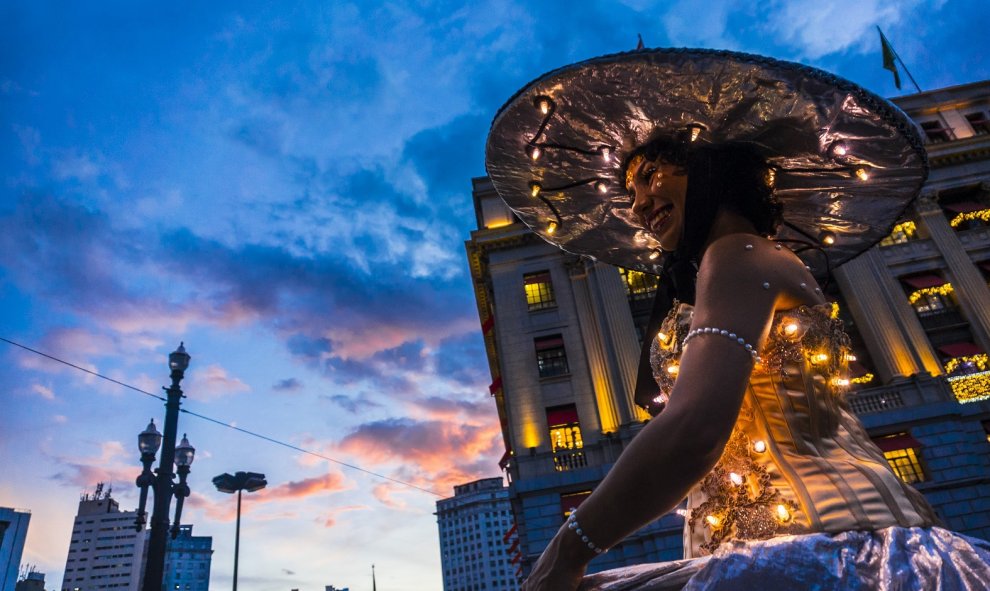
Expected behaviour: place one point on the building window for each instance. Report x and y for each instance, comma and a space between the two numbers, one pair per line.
539, 291
565, 438
979, 122
571, 501
963, 358
901, 451
902, 232
935, 132
551, 359
639, 286
929, 294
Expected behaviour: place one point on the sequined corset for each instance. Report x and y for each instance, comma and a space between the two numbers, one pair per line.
797, 461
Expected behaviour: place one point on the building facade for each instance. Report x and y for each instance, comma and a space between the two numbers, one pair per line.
563, 334
13, 533
187, 561
478, 545
34, 581
105, 551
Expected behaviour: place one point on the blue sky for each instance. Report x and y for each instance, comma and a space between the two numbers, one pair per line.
287, 190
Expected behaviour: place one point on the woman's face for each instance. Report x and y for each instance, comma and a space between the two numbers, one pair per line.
658, 190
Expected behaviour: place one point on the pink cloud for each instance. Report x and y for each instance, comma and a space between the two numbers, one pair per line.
43, 391
112, 465
213, 382
431, 454
329, 519
226, 508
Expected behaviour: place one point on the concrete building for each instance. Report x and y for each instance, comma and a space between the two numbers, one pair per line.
478, 545
34, 581
105, 551
13, 533
562, 335
187, 562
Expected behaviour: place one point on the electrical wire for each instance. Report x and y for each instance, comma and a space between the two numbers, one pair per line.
227, 424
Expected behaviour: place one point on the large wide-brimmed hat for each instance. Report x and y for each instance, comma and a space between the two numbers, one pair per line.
848, 162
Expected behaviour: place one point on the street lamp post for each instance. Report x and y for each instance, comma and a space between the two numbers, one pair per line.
162, 480
249, 481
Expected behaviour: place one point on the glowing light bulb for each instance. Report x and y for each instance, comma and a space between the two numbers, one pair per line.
839, 149
771, 177
543, 104
673, 369
790, 329
783, 514
606, 153
663, 337
601, 186
681, 512
713, 521
818, 358
534, 152
654, 255
695, 132
735, 479
661, 398
828, 238
551, 227
760, 446
534, 189
862, 174
850, 357
840, 382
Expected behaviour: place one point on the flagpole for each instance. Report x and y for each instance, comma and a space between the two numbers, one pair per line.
903, 65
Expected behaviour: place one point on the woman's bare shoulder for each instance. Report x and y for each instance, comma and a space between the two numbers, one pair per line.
752, 266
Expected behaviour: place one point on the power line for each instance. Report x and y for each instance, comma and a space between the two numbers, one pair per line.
226, 424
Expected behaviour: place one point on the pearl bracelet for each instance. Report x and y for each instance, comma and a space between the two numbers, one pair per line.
730, 335
572, 523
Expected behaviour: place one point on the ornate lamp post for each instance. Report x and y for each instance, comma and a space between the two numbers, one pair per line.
249, 481
162, 480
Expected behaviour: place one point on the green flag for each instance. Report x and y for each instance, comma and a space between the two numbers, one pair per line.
888, 59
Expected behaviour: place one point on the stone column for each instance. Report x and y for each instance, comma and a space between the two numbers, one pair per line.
610, 412
967, 282
887, 323
622, 344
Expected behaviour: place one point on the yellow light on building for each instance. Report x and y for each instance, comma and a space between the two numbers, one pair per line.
971, 387
939, 290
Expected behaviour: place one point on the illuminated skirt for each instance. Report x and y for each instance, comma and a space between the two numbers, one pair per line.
896, 558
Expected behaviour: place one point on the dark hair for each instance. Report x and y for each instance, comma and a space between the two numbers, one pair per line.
733, 175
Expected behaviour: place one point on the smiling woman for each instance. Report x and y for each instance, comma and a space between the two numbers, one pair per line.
730, 160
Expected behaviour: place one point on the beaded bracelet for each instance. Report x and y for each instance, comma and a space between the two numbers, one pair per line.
730, 335
572, 523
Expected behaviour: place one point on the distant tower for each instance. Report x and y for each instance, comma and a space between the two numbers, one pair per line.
13, 532
105, 551
477, 542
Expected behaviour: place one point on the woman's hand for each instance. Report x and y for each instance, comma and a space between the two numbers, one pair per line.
561, 566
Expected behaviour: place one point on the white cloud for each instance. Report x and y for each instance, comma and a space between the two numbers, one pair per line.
815, 28
43, 391
213, 382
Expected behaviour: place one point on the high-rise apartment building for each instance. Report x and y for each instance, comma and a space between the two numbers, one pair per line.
34, 581
478, 547
13, 533
105, 551
563, 334
187, 561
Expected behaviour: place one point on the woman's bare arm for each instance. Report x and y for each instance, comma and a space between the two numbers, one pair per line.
678, 447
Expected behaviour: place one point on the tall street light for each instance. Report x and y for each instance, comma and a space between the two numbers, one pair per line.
249, 481
161, 481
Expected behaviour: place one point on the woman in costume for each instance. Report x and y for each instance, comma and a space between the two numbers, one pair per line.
736, 179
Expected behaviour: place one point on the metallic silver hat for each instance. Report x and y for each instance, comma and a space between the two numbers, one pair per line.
848, 161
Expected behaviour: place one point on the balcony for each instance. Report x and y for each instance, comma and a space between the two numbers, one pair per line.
915, 392
567, 460
946, 318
